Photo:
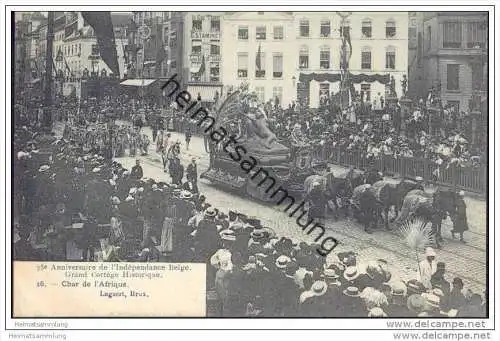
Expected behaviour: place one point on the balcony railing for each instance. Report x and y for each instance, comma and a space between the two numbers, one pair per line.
195, 57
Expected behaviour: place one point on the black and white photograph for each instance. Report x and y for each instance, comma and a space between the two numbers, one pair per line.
317, 163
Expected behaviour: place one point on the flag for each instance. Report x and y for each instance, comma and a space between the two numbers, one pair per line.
67, 66
202, 67
258, 59
103, 28
348, 39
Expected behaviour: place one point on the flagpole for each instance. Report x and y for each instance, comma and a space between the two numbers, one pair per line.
47, 114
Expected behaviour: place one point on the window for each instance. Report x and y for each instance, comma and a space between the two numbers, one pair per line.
452, 35
215, 50
197, 25
390, 29
476, 35
260, 33
242, 65
324, 57
278, 32
278, 65
304, 28
366, 59
95, 50
214, 72
390, 58
455, 105
325, 28
196, 49
260, 67
453, 77
260, 92
243, 33
79, 48
366, 28
303, 58
324, 90
278, 92
215, 24
366, 92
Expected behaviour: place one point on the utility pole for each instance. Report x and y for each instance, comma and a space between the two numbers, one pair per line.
47, 112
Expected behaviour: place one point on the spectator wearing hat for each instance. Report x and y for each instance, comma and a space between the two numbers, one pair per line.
352, 304
287, 291
438, 280
432, 304
333, 296
415, 287
397, 306
416, 304
474, 308
207, 239
376, 312
427, 268
456, 299
312, 302
460, 224
136, 172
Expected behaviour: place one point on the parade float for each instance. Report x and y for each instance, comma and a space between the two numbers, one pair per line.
241, 114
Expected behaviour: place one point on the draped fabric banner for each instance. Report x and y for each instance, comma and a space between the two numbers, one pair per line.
103, 28
336, 77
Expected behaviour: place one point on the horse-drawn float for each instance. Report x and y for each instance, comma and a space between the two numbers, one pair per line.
241, 115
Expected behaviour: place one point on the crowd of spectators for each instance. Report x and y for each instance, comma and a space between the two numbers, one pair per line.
81, 206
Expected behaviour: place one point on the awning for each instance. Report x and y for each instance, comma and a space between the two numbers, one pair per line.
34, 81
195, 68
207, 93
138, 82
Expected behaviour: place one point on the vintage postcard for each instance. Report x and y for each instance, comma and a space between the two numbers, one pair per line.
250, 163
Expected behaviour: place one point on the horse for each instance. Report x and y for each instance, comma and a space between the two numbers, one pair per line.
355, 199
431, 208
392, 195
370, 209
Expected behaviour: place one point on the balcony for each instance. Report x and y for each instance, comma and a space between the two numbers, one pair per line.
215, 57
199, 35
195, 57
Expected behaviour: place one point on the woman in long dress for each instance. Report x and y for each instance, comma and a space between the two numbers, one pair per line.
460, 218
167, 232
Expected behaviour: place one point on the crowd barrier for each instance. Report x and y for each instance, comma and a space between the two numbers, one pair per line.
468, 178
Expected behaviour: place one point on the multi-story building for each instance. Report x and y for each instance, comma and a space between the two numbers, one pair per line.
201, 51
22, 52
308, 57
454, 56
259, 49
173, 41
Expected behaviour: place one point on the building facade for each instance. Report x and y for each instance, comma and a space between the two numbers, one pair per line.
455, 56
302, 49
256, 50
202, 54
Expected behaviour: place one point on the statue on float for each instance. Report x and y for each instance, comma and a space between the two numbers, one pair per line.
244, 108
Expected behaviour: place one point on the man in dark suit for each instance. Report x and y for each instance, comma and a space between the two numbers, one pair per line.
192, 174
136, 172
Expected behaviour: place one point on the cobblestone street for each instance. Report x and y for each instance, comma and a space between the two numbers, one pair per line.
467, 261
